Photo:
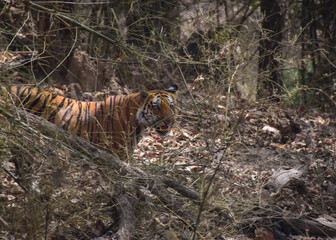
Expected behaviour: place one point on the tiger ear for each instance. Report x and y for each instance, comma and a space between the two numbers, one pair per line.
173, 88
143, 95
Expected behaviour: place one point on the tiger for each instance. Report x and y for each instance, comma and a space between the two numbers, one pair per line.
116, 124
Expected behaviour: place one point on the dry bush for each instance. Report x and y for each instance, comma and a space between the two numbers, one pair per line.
219, 146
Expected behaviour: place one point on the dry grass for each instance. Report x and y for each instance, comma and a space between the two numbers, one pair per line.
51, 190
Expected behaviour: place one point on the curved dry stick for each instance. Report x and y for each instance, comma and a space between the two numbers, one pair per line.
77, 145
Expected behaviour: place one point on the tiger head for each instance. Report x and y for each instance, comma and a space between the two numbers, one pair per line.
158, 110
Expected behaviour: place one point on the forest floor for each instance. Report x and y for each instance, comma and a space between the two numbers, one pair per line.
271, 172
256, 150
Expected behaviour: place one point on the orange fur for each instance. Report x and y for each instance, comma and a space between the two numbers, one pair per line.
115, 123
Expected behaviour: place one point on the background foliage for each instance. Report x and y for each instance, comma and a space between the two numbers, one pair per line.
257, 81
285, 48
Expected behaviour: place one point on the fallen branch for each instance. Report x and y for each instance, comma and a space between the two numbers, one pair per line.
287, 177
126, 218
75, 145
180, 188
158, 188
314, 227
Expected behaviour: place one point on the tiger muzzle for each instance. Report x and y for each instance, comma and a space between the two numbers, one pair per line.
163, 128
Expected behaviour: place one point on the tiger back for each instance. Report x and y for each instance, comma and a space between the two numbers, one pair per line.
115, 124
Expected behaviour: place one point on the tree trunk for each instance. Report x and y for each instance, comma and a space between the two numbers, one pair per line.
318, 52
270, 77
54, 40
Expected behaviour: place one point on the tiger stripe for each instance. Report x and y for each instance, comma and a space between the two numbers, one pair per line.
116, 123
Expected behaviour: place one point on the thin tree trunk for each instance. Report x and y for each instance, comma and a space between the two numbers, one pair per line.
270, 77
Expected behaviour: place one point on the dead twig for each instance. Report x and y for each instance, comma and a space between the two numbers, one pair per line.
75, 145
